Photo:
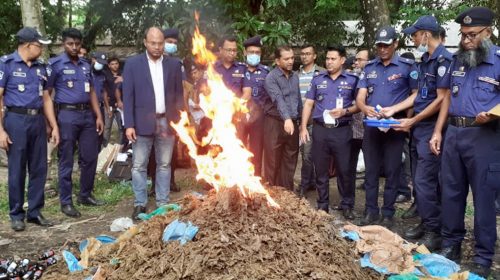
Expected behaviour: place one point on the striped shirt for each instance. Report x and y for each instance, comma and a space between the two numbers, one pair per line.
305, 79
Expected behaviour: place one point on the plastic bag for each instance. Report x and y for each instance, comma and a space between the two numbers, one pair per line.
121, 224
183, 232
162, 210
71, 261
437, 265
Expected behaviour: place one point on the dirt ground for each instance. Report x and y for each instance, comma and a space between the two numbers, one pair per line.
68, 231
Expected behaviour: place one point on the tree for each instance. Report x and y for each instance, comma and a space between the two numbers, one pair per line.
31, 11
374, 14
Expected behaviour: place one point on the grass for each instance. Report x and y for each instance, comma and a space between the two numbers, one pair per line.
110, 192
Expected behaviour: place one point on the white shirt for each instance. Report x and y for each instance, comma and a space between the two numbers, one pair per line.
156, 70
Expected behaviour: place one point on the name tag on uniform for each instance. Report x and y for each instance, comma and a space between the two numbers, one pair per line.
431, 75
372, 75
69, 71
394, 77
87, 87
489, 80
321, 86
19, 74
237, 75
348, 87
458, 74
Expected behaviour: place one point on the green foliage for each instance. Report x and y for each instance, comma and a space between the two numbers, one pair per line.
10, 23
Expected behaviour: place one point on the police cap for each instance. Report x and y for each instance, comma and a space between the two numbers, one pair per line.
100, 57
476, 16
429, 23
30, 34
385, 35
255, 41
171, 33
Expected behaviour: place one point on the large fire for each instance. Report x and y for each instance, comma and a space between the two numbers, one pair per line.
227, 164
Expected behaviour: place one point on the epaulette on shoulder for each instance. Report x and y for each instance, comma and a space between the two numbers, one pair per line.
497, 52
407, 60
371, 61
54, 60
352, 74
6, 58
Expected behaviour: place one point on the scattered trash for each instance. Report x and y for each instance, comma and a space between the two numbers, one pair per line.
71, 261
436, 265
351, 235
104, 239
162, 210
121, 224
198, 195
4, 242
26, 268
183, 232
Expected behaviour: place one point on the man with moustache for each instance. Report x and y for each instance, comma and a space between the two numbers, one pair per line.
281, 148
332, 94
152, 98
471, 150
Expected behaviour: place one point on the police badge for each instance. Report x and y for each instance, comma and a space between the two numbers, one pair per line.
70, 84
21, 87
454, 90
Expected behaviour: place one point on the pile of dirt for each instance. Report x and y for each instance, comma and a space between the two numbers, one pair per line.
238, 238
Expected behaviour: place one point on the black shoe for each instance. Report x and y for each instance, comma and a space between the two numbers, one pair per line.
481, 270
387, 222
40, 220
402, 198
415, 232
70, 211
348, 214
138, 210
431, 240
17, 225
369, 219
453, 253
90, 201
412, 212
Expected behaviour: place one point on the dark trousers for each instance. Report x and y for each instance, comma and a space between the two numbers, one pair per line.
471, 156
281, 152
307, 174
100, 141
406, 175
356, 145
28, 151
77, 128
426, 176
252, 135
382, 148
336, 143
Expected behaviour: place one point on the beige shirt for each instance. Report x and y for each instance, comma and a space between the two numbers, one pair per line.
156, 70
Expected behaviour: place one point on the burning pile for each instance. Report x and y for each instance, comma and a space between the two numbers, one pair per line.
238, 238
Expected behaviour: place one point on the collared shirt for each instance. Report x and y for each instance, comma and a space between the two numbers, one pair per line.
305, 79
233, 76
284, 93
23, 85
156, 70
433, 74
72, 82
110, 85
98, 80
475, 90
255, 80
325, 91
391, 84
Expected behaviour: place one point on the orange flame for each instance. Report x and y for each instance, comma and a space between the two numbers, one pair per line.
227, 164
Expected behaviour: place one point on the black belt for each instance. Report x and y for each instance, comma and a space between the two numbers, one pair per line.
463, 121
161, 115
24, 111
338, 124
74, 107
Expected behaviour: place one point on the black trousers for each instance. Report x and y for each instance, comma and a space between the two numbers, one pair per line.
281, 152
252, 136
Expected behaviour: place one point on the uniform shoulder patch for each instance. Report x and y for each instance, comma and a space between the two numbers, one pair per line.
498, 52
414, 74
441, 70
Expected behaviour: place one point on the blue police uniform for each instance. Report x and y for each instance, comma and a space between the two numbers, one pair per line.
332, 140
233, 76
77, 123
98, 81
386, 86
253, 130
24, 122
433, 74
471, 155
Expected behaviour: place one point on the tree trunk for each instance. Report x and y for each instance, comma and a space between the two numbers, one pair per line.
374, 14
31, 13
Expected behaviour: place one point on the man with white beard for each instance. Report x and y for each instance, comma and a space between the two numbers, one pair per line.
471, 150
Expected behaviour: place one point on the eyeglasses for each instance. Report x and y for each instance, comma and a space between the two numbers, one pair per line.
359, 59
471, 35
306, 54
231, 50
37, 45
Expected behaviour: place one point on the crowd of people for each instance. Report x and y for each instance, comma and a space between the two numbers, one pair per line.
440, 106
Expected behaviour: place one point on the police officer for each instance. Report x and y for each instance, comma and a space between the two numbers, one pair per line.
471, 151
98, 81
386, 80
232, 72
23, 91
79, 119
251, 132
433, 80
332, 94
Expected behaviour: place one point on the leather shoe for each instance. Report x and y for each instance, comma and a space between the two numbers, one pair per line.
369, 219
453, 253
431, 240
17, 225
138, 210
402, 198
412, 212
415, 232
481, 270
40, 220
90, 201
348, 214
70, 211
387, 222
